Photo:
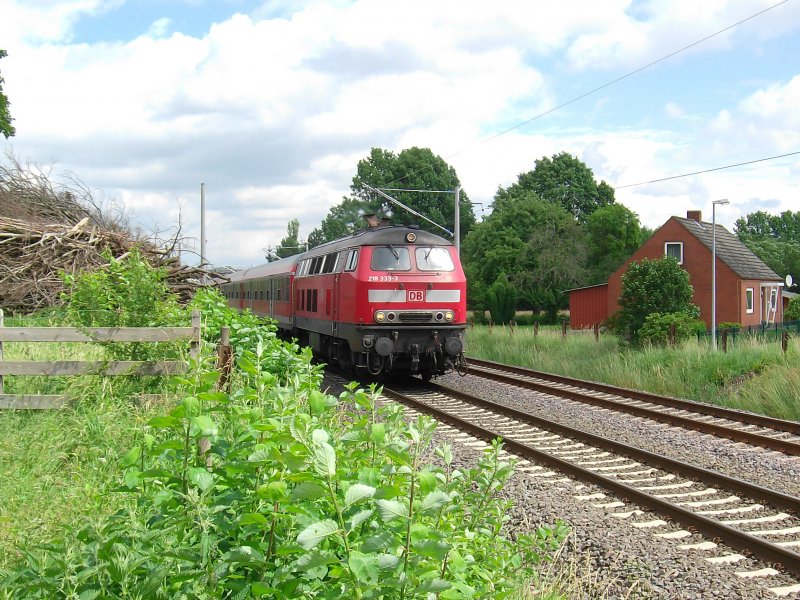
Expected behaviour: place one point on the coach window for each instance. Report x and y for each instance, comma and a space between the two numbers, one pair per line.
389, 258
675, 250
433, 259
352, 261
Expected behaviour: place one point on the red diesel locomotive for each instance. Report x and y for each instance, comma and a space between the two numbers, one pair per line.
386, 299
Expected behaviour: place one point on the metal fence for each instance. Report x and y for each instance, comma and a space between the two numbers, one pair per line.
777, 332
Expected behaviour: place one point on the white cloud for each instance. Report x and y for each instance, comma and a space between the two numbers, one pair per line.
274, 113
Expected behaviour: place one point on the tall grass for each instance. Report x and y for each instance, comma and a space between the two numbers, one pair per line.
752, 375
60, 467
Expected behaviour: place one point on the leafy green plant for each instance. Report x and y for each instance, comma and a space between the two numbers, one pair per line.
656, 327
792, 312
301, 494
652, 286
126, 292
501, 298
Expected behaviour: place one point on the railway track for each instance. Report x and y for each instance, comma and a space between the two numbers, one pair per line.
750, 518
758, 430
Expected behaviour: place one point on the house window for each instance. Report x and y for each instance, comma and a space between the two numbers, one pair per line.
675, 250
749, 296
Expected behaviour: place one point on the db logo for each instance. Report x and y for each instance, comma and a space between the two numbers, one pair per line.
416, 296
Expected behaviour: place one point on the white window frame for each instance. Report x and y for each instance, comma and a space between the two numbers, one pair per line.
750, 301
680, 261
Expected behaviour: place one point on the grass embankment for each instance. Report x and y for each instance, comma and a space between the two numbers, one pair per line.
752, 375
60, 468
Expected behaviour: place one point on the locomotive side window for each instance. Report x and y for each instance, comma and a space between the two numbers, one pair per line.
389, 258
433, 259
352, 261
330, 263
314, 301
308, 299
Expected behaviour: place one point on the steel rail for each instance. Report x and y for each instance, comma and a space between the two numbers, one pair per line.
760, 548
484, 369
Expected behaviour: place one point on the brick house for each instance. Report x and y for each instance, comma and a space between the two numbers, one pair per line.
748, 291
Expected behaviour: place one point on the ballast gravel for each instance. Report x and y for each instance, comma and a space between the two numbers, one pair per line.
608, 556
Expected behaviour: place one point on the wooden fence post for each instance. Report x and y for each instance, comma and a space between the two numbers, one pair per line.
597, 332
225, 359
784, 346
563, 329
535, 328
672, 334
725, 340
194, 346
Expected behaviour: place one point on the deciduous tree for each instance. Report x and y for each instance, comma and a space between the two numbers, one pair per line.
290, 245
5, 115
775, 239
536, 243
613, 234
411, 169
564, 180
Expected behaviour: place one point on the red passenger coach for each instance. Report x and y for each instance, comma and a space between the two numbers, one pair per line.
385, 299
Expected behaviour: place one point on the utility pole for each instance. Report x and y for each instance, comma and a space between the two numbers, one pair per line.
457, 214
202, 225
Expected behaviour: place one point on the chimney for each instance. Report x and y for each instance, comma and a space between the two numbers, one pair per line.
695, 215
372, 220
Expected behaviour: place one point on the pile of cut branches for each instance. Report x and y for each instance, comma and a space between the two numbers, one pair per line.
33, 256
48, 228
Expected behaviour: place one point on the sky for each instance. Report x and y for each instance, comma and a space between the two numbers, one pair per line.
272, 103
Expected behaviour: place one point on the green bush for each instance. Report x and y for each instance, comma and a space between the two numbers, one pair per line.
300, 495
730, 325
501, 299
793, 310
652, 286
526, 320
656, 327
126, 292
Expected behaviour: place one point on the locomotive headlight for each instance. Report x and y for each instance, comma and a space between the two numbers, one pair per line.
449, 316
380, 316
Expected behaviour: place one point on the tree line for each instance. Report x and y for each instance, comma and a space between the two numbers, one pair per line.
555, 228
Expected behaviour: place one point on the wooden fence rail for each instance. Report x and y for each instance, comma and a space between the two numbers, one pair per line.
82, 367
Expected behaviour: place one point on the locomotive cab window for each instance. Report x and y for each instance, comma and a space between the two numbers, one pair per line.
389, 258
433, 259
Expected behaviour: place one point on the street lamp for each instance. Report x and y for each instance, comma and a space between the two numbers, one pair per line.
714, 270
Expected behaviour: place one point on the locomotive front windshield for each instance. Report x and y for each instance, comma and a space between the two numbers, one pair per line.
434, 259
389, 258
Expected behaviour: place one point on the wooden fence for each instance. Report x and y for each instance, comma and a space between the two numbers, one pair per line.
81, 367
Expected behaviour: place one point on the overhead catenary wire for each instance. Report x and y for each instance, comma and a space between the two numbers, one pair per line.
749, 162
599, 88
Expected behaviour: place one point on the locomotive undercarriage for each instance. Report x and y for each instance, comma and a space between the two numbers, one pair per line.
377, 351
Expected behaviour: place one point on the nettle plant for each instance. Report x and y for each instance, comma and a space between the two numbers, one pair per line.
301, 495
